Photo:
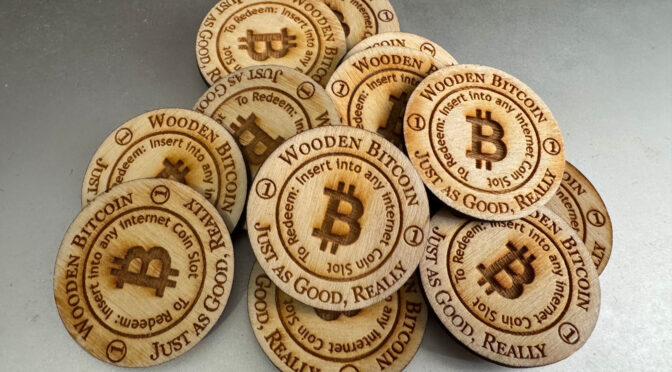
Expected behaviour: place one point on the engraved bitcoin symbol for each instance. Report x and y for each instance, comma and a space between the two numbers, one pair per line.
116, 351
333, 315
569, 333
260, 146
416, 122
428, 48
341, 19
160, 194
141, 278
172, 171
336, 197
596, 218
340, 88
385, 15
251, 40
265, 189
503, 264
393, 127
552, 146
123, 136
478, 139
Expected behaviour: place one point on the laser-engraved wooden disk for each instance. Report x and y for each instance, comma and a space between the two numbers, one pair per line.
262, 106
337, 217
364, 18
143, 273
406, 40
371, 88
304, 35
580, 205
297, 337
176, 144
522, 293
484, 142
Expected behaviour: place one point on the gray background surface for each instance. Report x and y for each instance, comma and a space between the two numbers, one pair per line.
72, 71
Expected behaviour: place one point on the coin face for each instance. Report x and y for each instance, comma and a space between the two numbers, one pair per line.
364, 18
337, 218
143, 273
484, 143
175, 144
303, 35
264, 106
297, 337
522, 293
579, 204
405, 40
371, 89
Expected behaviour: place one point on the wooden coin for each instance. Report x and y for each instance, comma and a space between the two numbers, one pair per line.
364, 18
176, 144
371, 88
522, 293
143, 273
304, 35
484, 142
263, 106
337, 217
297, 337
406, 40
579, 204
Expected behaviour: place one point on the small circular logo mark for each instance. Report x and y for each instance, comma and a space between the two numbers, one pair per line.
266, 188
305, 90
160, 194
349, 368
386, 15
569, 333
123, 136
416, 122
116, 351
340, 88
552, 146
428, 48
414, 236
596, 218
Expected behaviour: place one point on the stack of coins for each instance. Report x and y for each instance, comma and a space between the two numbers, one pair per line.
326, 125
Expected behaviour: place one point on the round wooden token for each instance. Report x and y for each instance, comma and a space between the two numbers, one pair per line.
143, 273
297, 337
337, 217
484, 142
371, 88
406, 40
263, 106
176, 144
364, 18
579, 204
522, 293
304, 35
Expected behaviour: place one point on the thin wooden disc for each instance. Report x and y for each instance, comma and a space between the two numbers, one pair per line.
304, 35
176, 144
522, 293
484, 142
371, 88
143, 273
297, 337
364, 18
337, 217
263, 106
580, 205
406, 40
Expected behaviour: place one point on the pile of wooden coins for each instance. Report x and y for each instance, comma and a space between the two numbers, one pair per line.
332, 155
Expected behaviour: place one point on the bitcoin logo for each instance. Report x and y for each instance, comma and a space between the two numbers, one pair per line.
251, 40
395, 121
260, 146
333, 315
172, 171
326, 233
479, 138
503, 264
141, 278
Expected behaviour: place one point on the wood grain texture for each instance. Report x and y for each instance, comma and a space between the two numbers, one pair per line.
371, 88
297, 337
143, 273
580, 205
303, 35
262, 106
337, 217
484, 142
522, 293
176, 144
364, 18
405, 40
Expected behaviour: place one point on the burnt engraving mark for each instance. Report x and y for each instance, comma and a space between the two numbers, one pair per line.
552, 146
260, 145
479, 138
141, 277
569, 333
416, 122
596, 218
116, 351
268, 50
160, 194
123, 136
386, 15
174, 172
329, 315
503, 264
393, 128
326, 233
